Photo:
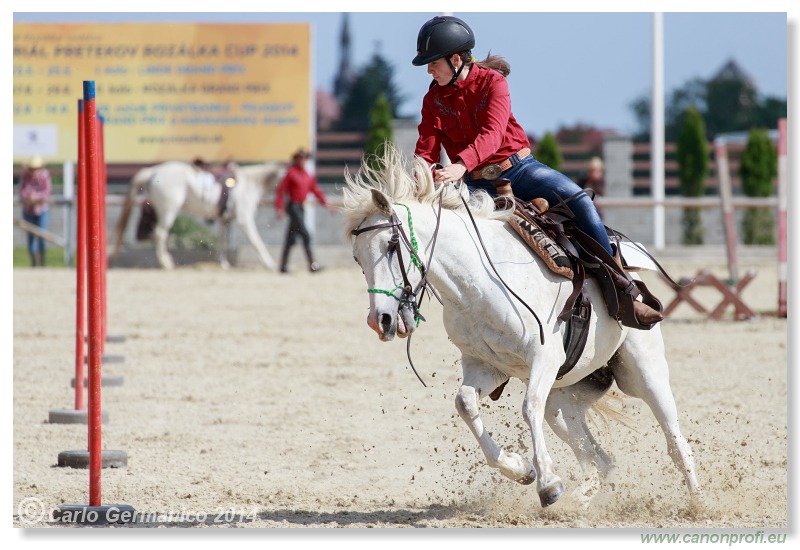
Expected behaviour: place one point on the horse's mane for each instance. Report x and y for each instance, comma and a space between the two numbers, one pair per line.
395, 179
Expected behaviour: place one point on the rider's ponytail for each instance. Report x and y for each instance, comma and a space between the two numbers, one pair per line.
495, 62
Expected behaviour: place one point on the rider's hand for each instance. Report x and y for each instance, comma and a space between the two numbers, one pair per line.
280, 214
451, 173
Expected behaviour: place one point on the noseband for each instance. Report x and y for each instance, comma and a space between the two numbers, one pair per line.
410, 296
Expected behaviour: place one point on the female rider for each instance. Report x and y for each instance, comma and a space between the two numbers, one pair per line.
467, 110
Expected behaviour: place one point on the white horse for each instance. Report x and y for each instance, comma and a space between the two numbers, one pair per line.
174, 186
391, 212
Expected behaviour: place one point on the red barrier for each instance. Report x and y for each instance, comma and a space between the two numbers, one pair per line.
783, 266
726, 194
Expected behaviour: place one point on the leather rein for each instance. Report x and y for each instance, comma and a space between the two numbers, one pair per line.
410, 296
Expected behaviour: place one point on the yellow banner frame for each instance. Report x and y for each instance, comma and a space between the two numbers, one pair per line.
165, 91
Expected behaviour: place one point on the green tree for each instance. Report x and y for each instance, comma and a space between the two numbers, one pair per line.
732, 105
692, 158
373, 80
380, 130
727, 105
549, 153
758, 167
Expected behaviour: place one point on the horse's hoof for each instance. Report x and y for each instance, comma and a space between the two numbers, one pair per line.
528, 479
550, 495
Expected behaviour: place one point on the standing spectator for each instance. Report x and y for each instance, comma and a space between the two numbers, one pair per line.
34, 193
595, 180
298, 183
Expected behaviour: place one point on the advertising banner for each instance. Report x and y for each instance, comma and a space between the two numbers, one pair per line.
165, 91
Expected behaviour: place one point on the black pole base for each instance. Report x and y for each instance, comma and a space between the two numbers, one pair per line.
105, 381
73, 416
83, 514
80, 459
105, 359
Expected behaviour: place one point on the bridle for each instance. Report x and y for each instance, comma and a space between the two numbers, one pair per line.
410, 296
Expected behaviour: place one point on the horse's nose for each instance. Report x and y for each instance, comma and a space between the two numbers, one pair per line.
380, 323
386, 323
372, 322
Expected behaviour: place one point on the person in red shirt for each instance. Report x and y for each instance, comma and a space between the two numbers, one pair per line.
34, 192
467, 111
298, 183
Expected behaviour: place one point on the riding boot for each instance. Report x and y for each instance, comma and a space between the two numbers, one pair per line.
645, 314
41, 259
33, 259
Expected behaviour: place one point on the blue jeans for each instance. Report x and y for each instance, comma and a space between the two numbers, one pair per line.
530, 179
35, 243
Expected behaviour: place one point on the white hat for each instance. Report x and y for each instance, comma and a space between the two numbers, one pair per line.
596, 162
36, 162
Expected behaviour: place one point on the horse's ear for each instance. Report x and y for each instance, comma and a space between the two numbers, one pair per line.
382, 201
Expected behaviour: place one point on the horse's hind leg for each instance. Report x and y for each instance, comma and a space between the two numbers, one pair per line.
565, 412
480, 381
640, 369
161, 235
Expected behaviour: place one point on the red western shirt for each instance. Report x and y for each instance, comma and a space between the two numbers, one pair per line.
472, 119
34, 190
298, 183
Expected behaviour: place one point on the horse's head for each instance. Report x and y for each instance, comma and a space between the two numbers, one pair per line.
387, 254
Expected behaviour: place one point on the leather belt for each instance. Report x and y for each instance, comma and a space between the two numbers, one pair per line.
494, 171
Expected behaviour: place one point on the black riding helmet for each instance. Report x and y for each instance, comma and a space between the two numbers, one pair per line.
442, 36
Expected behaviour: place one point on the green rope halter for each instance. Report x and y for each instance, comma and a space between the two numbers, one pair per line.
414, 260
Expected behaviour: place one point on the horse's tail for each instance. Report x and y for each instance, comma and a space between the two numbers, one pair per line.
136, 185
608, 407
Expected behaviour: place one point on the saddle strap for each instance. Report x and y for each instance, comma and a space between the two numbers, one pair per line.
549, 235
575, 334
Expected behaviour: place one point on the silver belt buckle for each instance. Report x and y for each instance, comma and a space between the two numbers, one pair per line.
491, 172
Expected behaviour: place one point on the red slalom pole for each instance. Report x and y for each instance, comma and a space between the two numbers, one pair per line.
102, 184
94, 292
94, 513
80, 261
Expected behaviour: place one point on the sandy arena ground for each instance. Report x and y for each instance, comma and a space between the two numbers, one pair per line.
260, 400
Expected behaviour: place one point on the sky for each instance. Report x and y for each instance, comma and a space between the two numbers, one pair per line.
566, 68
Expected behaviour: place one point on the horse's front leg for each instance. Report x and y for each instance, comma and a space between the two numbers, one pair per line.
479, 381
542, 376
247, 222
